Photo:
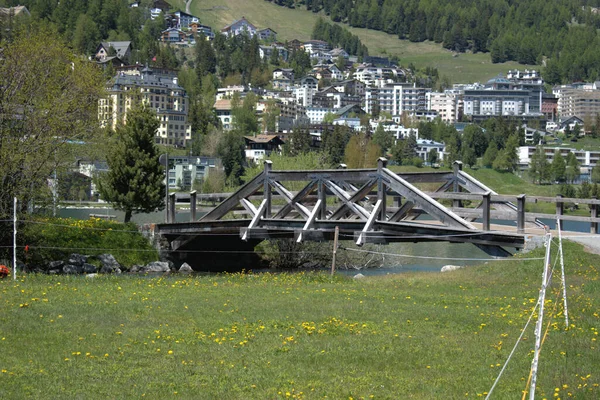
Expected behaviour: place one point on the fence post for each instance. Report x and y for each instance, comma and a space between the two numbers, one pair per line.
193, 201
456, 167
172, 203
521, 213
594, 214
381, 164
559, 211
487, 200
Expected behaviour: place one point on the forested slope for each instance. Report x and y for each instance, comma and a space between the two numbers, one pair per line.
563, 32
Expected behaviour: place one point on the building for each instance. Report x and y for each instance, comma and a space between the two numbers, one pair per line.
425, 146
261, 146
549, 107
223, 110
160, 92
448, 105
313, 47
580, 101
397, 129
502, 97
239, 27
587, 159
396, 99
188, 172
184, 20
199, 29
121, 50
374, 76
267, 34
173, 35
265, 52
12, 12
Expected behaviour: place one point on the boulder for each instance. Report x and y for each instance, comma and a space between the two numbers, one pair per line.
136, 268
358, 276
72, 269
156, 266
54, 271
77, 259
448, 268
55, 265
117, 271
91, 276
109, 261
185, 268
89, 268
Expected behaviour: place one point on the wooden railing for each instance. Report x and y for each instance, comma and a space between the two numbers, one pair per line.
484, 211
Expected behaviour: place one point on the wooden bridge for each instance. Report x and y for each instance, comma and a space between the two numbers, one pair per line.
367, 205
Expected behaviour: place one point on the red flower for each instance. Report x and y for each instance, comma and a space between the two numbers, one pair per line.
4, 271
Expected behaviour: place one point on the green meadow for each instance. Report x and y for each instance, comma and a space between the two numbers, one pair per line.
298, 24
300, 335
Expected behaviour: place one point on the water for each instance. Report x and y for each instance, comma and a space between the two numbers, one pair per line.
423, 257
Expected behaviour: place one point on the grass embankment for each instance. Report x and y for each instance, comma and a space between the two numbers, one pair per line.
298, 335
298, 24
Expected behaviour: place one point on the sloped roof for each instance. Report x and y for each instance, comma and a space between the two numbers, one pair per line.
243, 19
18, 10
120, 47
223, 104
263, 139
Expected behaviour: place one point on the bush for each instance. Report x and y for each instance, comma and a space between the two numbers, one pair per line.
50, 239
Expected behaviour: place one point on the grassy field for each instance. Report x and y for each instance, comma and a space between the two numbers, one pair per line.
298, 24
269, 336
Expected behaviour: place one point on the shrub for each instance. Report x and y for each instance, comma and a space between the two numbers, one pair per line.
51, 239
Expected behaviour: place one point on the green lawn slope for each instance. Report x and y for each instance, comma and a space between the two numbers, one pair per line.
303, 336
298, 24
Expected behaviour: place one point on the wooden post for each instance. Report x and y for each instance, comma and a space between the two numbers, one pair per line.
456, 167
486, 211
335, 245
268, 164
193, 202
323, 197
172, 203
559, 211
381, 164
594, 214
521, 213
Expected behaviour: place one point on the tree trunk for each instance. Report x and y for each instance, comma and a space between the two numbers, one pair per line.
127, 216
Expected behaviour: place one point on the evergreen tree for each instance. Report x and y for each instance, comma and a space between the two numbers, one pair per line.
334, 143
298, 142
572, 170
539, 169
134, 182
558, 167
596, 174
409, 150
585, 190
490, 155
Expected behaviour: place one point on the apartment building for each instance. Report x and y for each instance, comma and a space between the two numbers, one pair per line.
396, 99
160, 92
448, 105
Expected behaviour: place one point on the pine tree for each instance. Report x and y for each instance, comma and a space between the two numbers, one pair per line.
384, 139
134, 182
558, 167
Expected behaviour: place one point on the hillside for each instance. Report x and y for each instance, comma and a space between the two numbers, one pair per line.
298, 24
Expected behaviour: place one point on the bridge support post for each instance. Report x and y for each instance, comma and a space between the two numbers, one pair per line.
521, 213
381, 164
487, 201
268, 164
594, 214
172, 203
559, 210
322, 214
456, 167
193, 202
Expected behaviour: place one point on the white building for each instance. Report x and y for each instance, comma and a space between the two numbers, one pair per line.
448, 105
373, 76
424, 147
317, 114
398, 130
304, 95
396, 99
587, 159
